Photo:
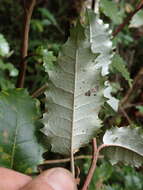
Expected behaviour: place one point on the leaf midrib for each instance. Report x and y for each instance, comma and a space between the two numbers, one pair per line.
14, 146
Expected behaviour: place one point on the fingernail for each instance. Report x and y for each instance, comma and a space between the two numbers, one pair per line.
61, 179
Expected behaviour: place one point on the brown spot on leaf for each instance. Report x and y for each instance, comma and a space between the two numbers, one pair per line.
88, 93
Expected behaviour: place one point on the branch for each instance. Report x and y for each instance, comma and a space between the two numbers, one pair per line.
93, 166
39, 91
96, 152
126, 116
28, 10
67, 159
128, 18
138, 82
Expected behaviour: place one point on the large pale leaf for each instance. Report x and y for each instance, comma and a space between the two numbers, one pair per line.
125, 145
76, 91
19, 148
74, 96
100, 39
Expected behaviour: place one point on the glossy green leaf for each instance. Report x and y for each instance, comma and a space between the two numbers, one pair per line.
125, 145
119, 65
19, 148
137, 20
111, 10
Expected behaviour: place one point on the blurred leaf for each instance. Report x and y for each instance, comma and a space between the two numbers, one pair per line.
5, 83
101, 175
140, 108
125, 145
51, 18
4, 46
45, 56
46, 13
119, 65
133, 182
111, 10
112, 101
48, 59
137, 20
8, 66
19, 148
37, 25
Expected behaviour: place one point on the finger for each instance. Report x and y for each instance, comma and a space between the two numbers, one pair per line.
12, 180
53, 179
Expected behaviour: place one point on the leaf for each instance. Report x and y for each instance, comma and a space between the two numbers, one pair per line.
19, 148
45, 56
140, 108
137, 20
125, 145
118, 64
4, 46
5, 83
37, 25
75, 94
111, 10
100, 38
73, 109
48, 59
13, 72
113, 102
46, 13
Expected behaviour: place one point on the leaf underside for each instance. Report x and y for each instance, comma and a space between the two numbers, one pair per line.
19, 149
76, 91
125, 145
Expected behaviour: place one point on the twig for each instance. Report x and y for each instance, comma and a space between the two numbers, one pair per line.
93, 166
130, 105
94, 162
128, 18
126, 115
28, 10
68, 159
39, 91
138, 82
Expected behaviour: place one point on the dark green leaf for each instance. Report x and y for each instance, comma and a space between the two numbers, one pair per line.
118, 64
110, 9
19, 148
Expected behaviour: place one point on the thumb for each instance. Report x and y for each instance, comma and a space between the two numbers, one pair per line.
53, 179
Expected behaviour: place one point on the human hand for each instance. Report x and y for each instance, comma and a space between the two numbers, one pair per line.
53, 179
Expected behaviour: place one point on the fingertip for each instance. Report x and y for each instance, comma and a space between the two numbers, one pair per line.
13, 180
60, 179
53, 179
